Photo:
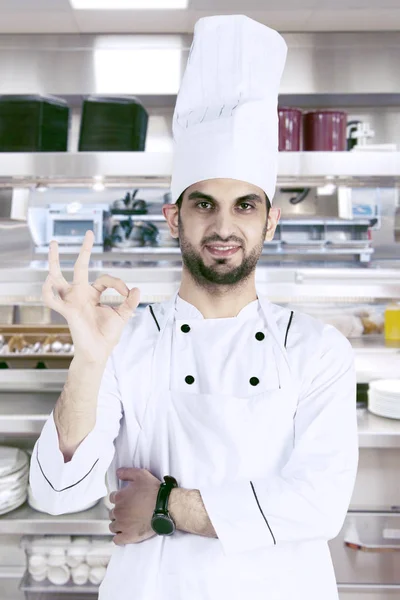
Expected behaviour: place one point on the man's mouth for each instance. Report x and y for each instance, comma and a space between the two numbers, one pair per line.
222, 250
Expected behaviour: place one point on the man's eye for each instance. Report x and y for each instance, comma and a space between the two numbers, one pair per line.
245, 206
204, 204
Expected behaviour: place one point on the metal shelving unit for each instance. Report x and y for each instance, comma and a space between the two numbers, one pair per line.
154, 168
18, 416
27, 521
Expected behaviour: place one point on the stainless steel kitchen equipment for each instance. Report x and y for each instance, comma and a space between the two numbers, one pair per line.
67, 223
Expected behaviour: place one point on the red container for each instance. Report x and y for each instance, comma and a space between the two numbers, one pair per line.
325, 130
289, 129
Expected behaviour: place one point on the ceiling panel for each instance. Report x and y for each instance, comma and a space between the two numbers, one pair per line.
232, 6
57, 16
349, 5
33, 22
34, 5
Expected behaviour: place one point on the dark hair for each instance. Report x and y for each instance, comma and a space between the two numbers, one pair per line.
179, 202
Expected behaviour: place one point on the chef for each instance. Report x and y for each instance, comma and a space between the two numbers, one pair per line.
226, 424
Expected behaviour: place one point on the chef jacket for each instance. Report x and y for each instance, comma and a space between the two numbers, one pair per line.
276, 483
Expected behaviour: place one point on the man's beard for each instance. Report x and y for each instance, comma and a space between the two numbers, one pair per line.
207, 276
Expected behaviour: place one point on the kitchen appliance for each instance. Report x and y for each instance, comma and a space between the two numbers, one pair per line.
68, 223
325, 131
33, 124
67, 227
113, 124
289, 129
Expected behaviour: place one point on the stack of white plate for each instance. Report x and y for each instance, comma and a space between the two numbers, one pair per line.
384, 398
14, 473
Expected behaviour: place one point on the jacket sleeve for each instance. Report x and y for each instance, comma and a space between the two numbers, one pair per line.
309, 499
60, 487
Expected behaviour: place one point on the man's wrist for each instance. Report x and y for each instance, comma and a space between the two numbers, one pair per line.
188, 512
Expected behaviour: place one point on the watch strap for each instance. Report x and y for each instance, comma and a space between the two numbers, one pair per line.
163, 494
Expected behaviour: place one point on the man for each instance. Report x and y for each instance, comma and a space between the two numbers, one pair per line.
247, 409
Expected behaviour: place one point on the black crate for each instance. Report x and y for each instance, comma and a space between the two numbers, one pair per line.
33, 124
113, 125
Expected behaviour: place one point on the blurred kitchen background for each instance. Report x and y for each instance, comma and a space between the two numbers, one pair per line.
87, 91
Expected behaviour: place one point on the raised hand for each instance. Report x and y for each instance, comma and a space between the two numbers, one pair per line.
95, 328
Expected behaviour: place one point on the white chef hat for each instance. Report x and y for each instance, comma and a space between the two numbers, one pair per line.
225, 121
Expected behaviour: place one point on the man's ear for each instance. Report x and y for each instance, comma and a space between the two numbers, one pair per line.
171, 213
273, 219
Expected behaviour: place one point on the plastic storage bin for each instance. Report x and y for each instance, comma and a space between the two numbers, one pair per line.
113, 124
33, 124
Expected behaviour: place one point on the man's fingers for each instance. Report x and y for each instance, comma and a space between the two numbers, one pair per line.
49, 298
128, 306
81, 267
105, 281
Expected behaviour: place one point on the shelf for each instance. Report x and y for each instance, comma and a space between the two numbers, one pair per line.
69, 590
154, 168
281, 284
27, 521
377, 432
282, 222
32, 380
24, 416
375, 359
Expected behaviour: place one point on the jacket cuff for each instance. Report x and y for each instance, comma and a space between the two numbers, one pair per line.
237, 518
62, 475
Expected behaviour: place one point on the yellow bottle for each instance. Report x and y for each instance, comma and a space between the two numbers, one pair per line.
392, 322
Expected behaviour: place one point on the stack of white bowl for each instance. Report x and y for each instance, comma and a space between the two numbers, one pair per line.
384, 398
14, 474
64, 559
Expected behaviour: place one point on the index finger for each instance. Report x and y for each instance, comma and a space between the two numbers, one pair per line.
81, 267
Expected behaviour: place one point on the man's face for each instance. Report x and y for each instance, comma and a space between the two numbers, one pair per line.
222, 227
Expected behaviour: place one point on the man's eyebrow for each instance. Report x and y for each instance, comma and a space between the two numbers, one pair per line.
201, 196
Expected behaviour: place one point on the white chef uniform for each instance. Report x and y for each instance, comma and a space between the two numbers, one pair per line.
258, 411
275, 468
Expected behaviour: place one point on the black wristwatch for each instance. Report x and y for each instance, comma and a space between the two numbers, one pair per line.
161, 521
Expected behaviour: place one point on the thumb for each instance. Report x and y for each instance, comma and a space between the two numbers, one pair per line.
129, 305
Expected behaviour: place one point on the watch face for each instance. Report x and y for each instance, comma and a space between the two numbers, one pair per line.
163, 525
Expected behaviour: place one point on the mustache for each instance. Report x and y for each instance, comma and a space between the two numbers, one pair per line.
215, 238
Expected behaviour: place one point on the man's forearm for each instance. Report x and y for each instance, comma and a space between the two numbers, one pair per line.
76, 408
188, 512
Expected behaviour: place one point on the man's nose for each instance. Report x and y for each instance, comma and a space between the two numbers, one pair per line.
224, 225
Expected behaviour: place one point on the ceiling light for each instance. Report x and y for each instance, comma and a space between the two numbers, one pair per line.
128, 4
